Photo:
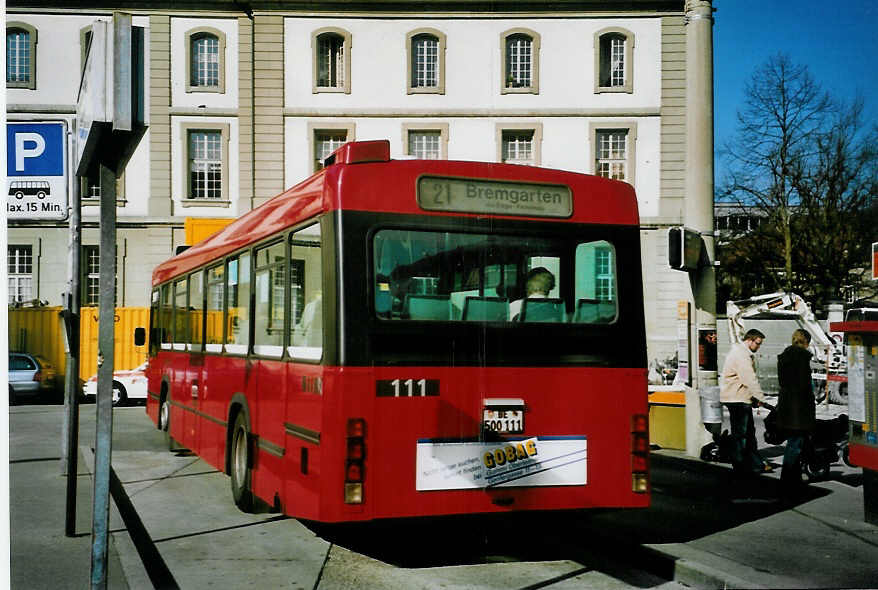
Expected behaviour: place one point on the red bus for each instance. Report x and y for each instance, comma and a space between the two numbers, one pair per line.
399, 338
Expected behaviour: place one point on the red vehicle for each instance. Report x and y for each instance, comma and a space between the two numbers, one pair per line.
371, 343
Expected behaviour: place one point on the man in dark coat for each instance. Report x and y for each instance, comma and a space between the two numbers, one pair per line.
795, 406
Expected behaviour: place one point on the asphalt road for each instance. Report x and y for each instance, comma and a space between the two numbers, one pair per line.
181, 528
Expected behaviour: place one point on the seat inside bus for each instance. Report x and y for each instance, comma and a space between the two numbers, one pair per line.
485, 309
594, 311
543, 310
428, 307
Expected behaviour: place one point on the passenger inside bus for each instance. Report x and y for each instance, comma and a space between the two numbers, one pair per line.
538, 284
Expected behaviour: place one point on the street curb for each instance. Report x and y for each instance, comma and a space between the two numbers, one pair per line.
698, 575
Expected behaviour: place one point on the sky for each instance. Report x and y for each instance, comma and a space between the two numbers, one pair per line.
836, 39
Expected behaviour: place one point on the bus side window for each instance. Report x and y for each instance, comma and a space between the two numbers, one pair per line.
306, 288
215, 286
238, 312
181, 315
196, 310
154, 324
166, 317
270, 286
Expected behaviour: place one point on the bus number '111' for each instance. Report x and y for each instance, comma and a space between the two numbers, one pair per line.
407, 387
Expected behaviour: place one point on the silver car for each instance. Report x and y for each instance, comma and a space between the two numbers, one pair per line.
30, 376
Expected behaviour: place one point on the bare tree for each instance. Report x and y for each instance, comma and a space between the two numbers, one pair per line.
805, 165
784, 106
836, 221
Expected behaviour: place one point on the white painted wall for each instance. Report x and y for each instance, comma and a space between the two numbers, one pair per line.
473, 66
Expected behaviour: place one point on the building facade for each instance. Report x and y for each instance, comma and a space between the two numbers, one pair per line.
246, 99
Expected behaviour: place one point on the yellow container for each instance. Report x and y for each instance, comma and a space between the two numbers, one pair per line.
667, 419
198, 228
40, 331
126, 355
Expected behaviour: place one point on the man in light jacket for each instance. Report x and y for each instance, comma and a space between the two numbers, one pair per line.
739, 392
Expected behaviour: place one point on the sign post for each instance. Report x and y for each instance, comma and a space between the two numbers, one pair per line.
71, 382
112, 116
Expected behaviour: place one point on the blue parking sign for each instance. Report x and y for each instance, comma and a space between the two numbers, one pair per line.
35, 149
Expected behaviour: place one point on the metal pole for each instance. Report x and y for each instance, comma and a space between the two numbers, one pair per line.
698, 193
71, 399
106, 344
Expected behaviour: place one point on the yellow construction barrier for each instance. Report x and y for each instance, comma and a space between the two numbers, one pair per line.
667, 418
40, 331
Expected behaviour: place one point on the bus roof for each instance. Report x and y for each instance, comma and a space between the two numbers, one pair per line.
361, 176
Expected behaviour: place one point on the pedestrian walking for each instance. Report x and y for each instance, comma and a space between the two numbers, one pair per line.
796, 415
739, 393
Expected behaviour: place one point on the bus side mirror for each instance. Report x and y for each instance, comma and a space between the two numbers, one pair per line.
139, 336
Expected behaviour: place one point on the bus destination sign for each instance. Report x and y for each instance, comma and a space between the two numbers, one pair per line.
436, 193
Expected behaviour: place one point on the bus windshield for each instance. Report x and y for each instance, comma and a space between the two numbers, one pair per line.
461, 277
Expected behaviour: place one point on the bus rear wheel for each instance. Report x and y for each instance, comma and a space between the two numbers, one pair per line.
240, 465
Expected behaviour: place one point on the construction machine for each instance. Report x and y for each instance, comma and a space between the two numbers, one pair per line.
829, 361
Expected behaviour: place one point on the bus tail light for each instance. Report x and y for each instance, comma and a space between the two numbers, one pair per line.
355, 461
640, 454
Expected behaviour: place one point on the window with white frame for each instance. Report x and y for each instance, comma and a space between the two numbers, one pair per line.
19, 266
332, 61
520, 49
21, 52
425, 144
91, 275
518, 147
205, 163
518, 61
426, 61
330, 68
205, 65
327, 141
612, 154
613, 60
604, 275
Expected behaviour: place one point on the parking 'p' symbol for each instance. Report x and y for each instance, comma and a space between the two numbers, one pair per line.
28, 145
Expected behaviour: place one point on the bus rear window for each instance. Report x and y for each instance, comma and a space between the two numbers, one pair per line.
458, 277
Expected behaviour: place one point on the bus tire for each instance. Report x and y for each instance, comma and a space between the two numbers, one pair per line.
239, 465
164, 419
164, 423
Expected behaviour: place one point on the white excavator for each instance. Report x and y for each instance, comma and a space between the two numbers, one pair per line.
829, 363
